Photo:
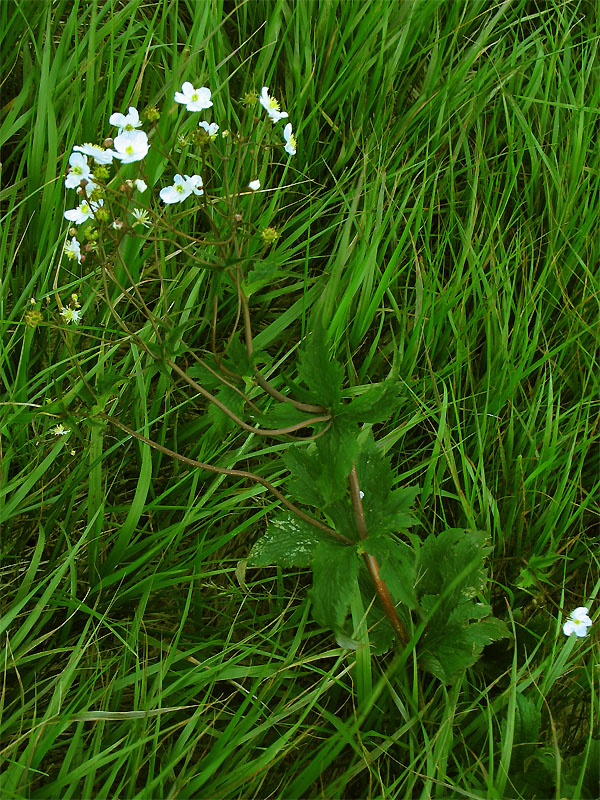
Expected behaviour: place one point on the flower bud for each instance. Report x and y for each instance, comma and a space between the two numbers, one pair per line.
152, 114
108, 142
269, 236
33, 318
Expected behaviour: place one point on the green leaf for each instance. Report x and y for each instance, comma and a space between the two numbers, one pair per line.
304, 464
454, 556
335, 569
338, 449
377, 404
288, 542
341, 517
397, 567
263, 274
233, 401
386, 509
282, 415
319, 371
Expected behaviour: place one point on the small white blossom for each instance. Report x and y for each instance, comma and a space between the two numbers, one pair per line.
254, 185
196, 183
578, 622
83, 212
70, 314
193, 99
211, 128
182, 187
60, 430
290, 140
362, 494
99, 154
141, 217
140, 185
271, 106
78, 172
73, 250
126, 122
131, 146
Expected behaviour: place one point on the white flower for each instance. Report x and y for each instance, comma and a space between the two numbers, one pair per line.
290, 140
84, 211
362, 494
196, 183
70, 314
254, 185
141, 217
138, 184
99, 154
182, 187
73, 250
211, 129
131, 146
60, 430
126, 123
578, 622
193, 99
79, 171
271, 105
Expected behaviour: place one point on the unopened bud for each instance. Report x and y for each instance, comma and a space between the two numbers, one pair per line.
269, 236
238, 218
108, 142
152, 114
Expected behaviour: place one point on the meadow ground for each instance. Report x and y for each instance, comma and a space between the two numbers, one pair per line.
442, 213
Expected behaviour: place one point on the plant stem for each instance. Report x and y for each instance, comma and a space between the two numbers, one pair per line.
380, 586
238, 473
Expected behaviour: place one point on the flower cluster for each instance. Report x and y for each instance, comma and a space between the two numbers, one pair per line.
128, 146
273, 109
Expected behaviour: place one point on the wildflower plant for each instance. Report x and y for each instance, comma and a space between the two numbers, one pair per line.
343, 516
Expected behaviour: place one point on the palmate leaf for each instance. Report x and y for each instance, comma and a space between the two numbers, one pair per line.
386, 509
233, 401
337, 449
304, 464
263, 274
377, 404
447, 650
288, 542
282, 415
335, 572
454, 556
321, 374
397, 567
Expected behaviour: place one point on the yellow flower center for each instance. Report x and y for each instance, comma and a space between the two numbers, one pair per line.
129, 150
195, 97
274, 104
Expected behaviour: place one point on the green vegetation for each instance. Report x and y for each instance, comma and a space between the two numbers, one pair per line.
441, 216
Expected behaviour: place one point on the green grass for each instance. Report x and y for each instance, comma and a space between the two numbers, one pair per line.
442, 212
